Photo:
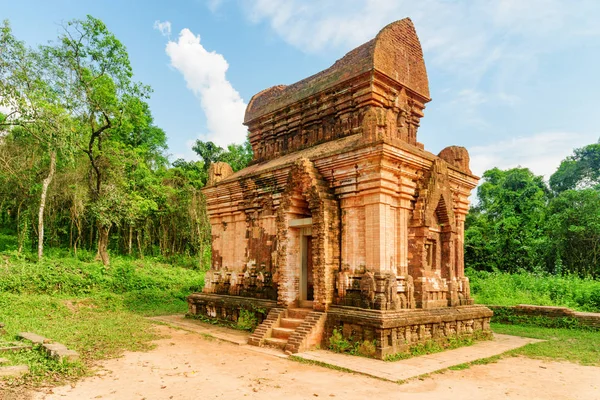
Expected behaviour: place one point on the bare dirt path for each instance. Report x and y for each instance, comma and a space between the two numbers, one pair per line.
187, 366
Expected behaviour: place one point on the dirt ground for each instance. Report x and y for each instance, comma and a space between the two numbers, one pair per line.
187, 366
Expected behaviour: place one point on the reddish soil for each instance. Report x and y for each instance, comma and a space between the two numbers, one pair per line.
188, 366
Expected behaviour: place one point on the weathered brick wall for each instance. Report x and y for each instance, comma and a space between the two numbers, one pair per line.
587, 319
379, 89
227, 308
396, 332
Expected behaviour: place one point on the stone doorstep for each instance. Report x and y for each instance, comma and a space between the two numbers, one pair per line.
60, 352
33, 338
14, 370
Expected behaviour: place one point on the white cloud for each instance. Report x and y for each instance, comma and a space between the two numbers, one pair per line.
163, 27
204, 72
451, 30
541, 153
213, 5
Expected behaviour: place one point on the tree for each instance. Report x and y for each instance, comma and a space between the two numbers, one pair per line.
574, 231
238, 156
505, 231
93, 72
581, 170
35, 108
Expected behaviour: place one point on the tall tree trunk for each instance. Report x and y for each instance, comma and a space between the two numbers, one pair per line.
103, 233
45, 185
129, 244
20, 239
139, 243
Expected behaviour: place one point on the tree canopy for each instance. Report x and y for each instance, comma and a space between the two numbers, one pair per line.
519, 223
82, 163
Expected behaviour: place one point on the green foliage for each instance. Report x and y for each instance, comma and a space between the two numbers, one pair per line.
66, 276
339, 344
75, 100
505, 230
519, 225
504, 289
247, 321
579, 171
238, 156
573, 229
95, 310
506, 315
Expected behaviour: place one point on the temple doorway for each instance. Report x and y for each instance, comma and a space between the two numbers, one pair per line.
306, 276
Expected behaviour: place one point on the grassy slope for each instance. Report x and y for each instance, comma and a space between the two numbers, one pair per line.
581, 346
95, 310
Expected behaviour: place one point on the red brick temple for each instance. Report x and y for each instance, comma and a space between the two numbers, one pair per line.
343, 221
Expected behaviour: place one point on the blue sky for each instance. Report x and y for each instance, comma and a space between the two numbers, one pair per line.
514, 81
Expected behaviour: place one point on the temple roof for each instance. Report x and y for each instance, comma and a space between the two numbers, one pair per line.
395, 52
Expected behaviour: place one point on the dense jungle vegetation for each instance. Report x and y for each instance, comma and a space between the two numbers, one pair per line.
82, 164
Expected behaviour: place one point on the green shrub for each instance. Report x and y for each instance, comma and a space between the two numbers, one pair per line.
338, 344
247, 321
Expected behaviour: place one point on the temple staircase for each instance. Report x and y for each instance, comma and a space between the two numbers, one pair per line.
292, 330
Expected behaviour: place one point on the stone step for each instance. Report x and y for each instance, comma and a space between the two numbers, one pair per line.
33, 338
298, 313
281, 333
275, 342
4, 361
14, 370
306, 304
60, 352
291, 323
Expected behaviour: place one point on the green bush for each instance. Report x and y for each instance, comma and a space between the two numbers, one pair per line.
247, 321
338, 343
504, 289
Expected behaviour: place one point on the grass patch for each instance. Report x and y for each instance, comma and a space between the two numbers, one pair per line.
96, 310
319, 363
504, 289
574, 345
483, 361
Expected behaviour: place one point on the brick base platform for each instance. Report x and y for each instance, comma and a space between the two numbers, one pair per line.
227, 308
395, 331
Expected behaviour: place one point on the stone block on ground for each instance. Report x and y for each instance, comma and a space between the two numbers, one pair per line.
60, 352
14, 370
33, 337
